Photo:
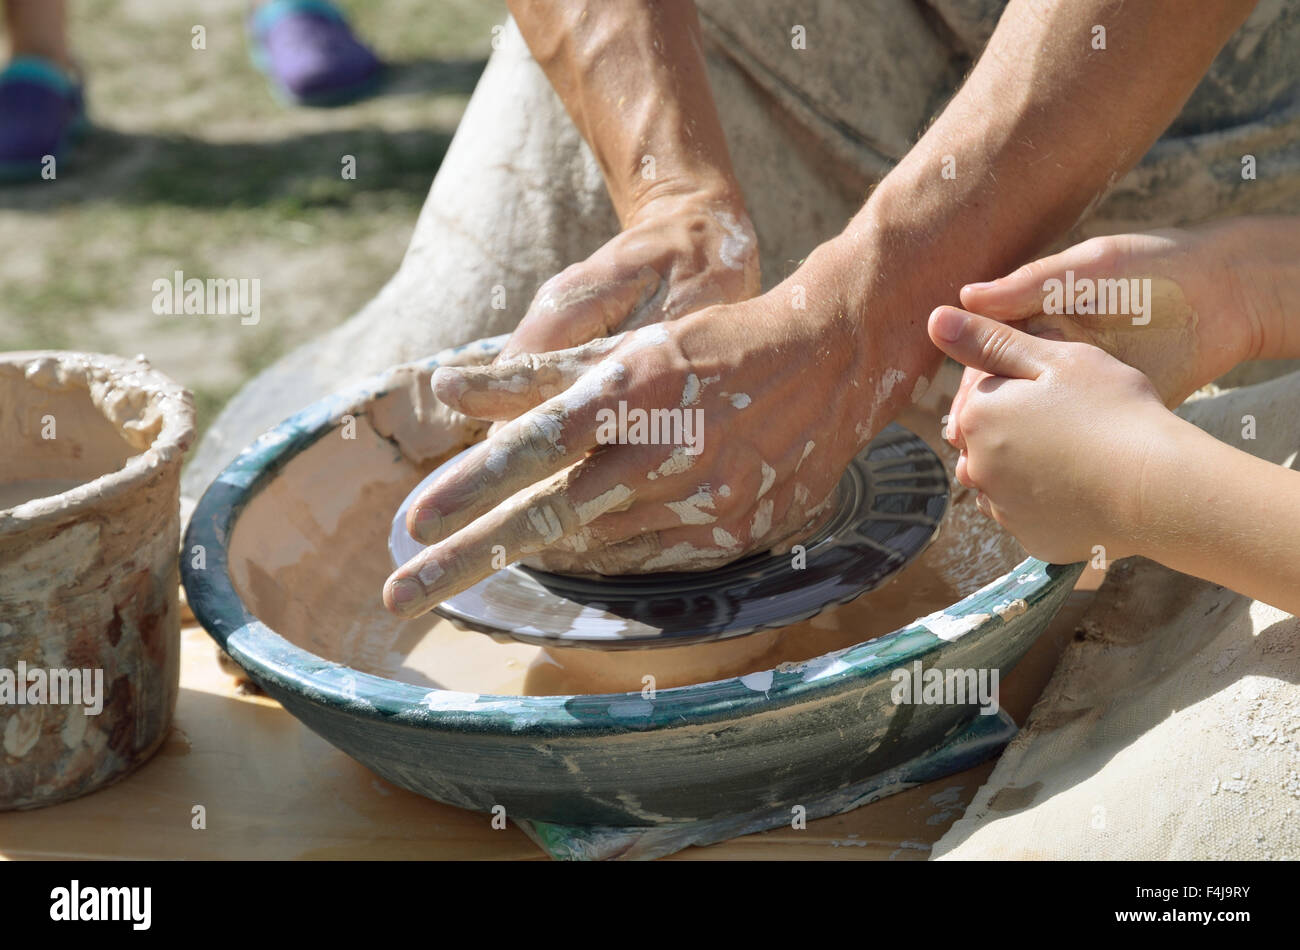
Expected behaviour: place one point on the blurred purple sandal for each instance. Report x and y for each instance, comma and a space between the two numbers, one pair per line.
309, 53
41, 110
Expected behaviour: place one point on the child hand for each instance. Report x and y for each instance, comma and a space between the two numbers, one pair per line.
1166, 302
1056, 437
1197, 323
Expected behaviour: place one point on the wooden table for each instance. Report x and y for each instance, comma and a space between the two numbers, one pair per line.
270, 788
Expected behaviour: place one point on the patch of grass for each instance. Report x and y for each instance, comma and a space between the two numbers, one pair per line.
259, 349
192, 165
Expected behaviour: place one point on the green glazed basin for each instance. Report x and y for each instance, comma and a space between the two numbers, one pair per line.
777, 738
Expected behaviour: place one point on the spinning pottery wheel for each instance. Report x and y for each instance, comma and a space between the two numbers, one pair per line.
887, 508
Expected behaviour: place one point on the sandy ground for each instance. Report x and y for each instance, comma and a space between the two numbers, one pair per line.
191, 165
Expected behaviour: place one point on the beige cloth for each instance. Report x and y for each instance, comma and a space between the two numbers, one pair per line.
1171, 727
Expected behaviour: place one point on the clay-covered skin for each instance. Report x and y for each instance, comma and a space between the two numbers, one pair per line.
775, 440
88, 574
683, 253
637, 506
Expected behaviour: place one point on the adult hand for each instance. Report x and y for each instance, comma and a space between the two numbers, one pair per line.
680, 253
767, 443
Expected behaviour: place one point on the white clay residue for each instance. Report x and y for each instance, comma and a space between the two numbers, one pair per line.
691, 391
885, 388
679, 461
1011, 609
603, 503
429, 572
535, 428
690, 510
652, 335
947, 627
738, 243
496, 460
515, 384
672, 557
592, 384
919, 388
546, 523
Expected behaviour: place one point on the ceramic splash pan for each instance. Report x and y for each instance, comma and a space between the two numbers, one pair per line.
295, 539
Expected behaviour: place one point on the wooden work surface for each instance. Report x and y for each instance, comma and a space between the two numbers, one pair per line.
272, 789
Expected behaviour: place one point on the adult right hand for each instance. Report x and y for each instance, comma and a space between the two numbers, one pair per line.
780, 396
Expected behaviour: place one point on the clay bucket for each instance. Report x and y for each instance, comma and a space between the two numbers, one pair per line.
720, 749
92, 447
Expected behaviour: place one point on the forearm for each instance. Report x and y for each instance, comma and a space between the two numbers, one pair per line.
1041, 129
632, 77
1221, 514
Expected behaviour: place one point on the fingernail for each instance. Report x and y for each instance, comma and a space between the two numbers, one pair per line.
980, 285
948, 323
404, 591
448, 381
428, 524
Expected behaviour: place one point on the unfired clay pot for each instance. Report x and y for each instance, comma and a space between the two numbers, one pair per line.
89, 532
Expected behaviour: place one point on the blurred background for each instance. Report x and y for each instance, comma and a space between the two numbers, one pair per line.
190, 164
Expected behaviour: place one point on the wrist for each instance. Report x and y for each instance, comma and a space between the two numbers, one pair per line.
1177, 459
869, 315
655, 197
1261, 259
